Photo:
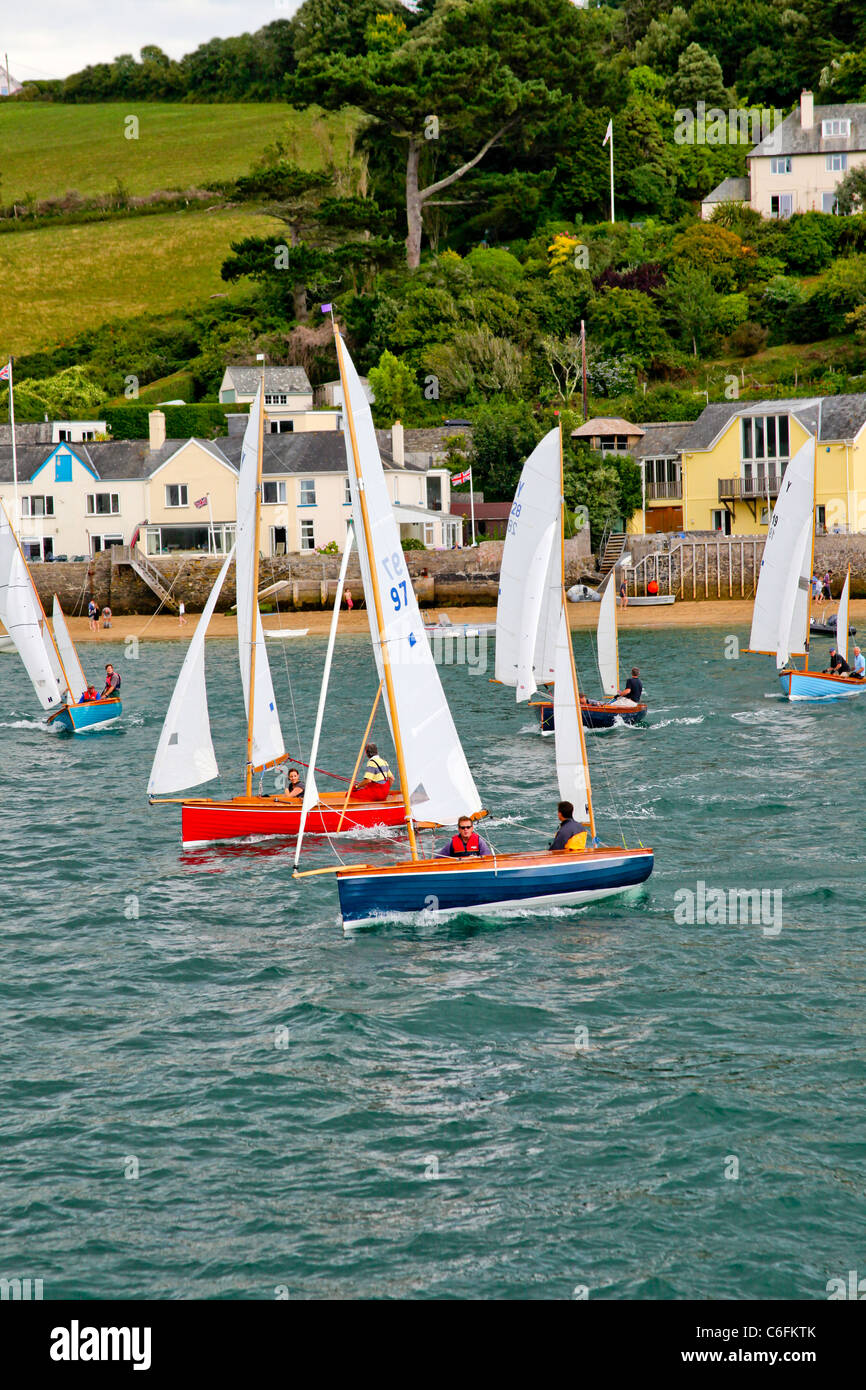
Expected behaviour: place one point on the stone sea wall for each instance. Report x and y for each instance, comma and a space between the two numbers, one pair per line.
706, 566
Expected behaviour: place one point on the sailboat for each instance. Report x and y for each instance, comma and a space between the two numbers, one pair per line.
50, 660
435, 778
780, 619
530, 597
185, 755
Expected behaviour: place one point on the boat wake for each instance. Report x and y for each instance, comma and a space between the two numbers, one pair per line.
663, 723
29, 724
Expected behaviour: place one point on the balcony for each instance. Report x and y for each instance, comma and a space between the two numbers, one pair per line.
666, 490
750, 489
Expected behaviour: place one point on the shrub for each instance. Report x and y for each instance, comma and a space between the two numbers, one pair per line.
748, 339
412, 543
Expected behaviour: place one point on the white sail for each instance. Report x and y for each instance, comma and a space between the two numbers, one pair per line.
185, 754
608, 652
568, 729
440, 785
842, 619
780, 616
68, 654
268, 744
23, 619
530, 579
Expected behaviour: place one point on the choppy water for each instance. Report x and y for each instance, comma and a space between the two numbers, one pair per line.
406, 1113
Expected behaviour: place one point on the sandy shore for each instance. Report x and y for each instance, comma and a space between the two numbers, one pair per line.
730, 613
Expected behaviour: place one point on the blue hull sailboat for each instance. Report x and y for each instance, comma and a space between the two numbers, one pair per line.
435, 780
50, 658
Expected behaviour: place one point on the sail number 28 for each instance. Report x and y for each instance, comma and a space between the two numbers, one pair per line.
393, 567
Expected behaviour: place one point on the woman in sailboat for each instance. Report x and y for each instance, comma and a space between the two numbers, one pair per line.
295, 785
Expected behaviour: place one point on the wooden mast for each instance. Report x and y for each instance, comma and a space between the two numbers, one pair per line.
45, 627
568, 635
255, 596
377, 600
812, 562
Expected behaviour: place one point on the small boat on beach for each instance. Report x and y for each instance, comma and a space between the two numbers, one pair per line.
282, 634
50, 659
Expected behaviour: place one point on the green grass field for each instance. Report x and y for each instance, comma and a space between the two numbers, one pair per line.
60, 280
47, 150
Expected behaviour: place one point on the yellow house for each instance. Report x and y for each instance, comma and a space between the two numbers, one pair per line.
732, 459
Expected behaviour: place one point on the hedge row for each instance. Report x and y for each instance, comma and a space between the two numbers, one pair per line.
205, 421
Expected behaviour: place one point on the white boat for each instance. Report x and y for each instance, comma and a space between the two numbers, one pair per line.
783, 601
582, 593
282, 634
436, 782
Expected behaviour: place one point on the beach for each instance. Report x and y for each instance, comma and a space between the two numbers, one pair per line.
728, 613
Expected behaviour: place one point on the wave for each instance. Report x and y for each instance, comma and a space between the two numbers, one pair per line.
684, 719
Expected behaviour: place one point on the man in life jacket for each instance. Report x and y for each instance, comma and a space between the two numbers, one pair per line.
111, 688
571, 834
466, 844
89, 695
376, 782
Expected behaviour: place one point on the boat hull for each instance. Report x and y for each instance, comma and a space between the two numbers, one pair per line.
206, 821
89, 718
443, 887
596, 714
814, 685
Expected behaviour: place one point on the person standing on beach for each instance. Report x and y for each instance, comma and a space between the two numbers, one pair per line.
93, 615
181, 614
827, 593
347, 595
623, 593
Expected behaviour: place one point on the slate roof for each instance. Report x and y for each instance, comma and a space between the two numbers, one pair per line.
662, 438
246, 379
730, 191
840, 417
789, 137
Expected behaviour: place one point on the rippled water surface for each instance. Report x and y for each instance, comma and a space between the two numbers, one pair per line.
417, 1110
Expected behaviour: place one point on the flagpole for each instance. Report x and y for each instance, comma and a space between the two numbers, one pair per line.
212, 534
583, 365
612, 212
472, 504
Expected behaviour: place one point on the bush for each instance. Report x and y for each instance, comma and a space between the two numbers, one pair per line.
181, 421
748, 339
810, 242
411, 543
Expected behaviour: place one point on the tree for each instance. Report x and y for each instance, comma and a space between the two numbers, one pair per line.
698, 78
627, 321
396, 391
720, 253
503, 436
692, 307
564, 357
851, 191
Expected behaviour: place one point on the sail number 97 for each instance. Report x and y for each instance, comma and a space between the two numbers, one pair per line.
393, 567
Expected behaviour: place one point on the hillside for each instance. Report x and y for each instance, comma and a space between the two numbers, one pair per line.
45, 150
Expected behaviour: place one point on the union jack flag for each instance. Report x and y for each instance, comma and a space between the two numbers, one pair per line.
6, 372
464, 477
201, 501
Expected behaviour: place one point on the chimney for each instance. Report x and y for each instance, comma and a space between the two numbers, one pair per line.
156, 427
807, 111
397, 452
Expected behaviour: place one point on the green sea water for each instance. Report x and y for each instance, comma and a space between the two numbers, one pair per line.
208, 1090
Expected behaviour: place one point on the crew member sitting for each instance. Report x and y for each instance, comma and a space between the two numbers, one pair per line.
838, 665
466, 844
112, 682
571, 834
295, 786
377, 779
633, 689
87, 696
859, 664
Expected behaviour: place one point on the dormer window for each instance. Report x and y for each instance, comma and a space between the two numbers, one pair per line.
835, 128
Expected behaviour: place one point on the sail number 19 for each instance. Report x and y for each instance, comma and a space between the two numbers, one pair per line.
393, 567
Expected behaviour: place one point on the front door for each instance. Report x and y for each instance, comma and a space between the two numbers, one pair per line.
664, 519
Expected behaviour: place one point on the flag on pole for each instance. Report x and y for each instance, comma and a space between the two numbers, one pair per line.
326, 308
5, 372
464, 477
201, 501
608, 134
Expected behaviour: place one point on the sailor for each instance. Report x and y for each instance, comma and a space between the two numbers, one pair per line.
838, 665
466, 844
571, 834
859, 663
377, 779
111, 688
633, 689
295, 785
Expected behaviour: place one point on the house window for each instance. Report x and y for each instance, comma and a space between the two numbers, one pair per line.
765, 437
276, 398
347, 493
273, 492
103, 503
176, 495
781, 204
64, 435
830, 203
835, 163
781, 166
308, 541
429, 533
63, 468
37, 506
835, 127
722, 520
821, 521
308, 493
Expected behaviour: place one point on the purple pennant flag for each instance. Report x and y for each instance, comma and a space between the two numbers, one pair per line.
326, 308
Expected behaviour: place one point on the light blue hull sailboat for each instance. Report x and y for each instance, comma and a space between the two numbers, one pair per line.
815, 685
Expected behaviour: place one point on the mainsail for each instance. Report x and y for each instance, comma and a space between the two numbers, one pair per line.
68, 654
185, 754
530, 579
23, 619
571, 770
780, 621
608, 653
440, 786
268, 747
842, 618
